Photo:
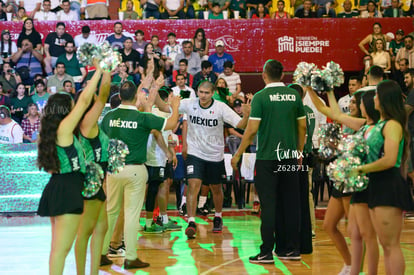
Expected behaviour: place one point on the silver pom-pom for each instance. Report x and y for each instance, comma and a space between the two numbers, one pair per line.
117, 151
108, 58
303, 73
321, 81
354, 151
93, 179
335, 72
329, 136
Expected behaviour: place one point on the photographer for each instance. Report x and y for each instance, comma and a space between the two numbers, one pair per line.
9, 78
28, 62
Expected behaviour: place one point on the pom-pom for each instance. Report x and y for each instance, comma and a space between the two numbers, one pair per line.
93, 179
108, 58
321, 81
354, 151
335, 72
117, 151
303, 73
329, 136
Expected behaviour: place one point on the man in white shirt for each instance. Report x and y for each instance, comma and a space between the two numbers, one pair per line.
10, 130
66, 14
205, 154
354, 84
180, 81
85, 37
46, 14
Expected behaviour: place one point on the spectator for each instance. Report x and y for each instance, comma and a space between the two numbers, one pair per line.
150, 57
66, 14
215, 12
232, 79
132, 59
95, 9
10, 131
219, 57
188, 4
155, 40
173, 9
20, 15
30, 6
380, 57
253, 5
9, 78
151, 8
410, 12
206, 73
75, 5
85, 37
280, 13
394, 10
19, 103
31, 124
396, 44
371, 11
409, 84
372, 37
240, 6
348, 12
200, 43
221, 92
407, 52
183, 69
11, 7
324, 8
72, 65
55, 46
55, 82
130, 13
181, 89
140, 43
398, 75
235, 135
3, 16
29, 32
122, 75
170, 51
305, 11
194, 62
7, 46
116, 40
41, 96
68, 88
261, 12
223, 5
45, 14
28, 62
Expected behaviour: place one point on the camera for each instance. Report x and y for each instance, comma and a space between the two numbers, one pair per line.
4, 55
11, 71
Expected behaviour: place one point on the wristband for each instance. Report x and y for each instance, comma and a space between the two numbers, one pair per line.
145, 90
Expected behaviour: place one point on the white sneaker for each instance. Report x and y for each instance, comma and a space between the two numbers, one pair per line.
346, 270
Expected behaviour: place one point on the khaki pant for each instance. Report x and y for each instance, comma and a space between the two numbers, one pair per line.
127, 187
97, 10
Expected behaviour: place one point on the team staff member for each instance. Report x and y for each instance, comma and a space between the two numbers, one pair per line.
205, 155
132, 127
279, 120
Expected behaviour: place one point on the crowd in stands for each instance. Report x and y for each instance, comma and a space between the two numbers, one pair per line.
68, 10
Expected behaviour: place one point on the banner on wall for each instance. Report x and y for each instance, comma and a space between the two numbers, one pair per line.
252, 42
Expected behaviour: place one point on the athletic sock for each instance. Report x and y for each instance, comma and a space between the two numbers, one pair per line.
217, 214
183, 201
164, 219
201, 201
191, 219
148, 223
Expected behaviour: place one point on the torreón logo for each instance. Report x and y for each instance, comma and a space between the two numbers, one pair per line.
301, 44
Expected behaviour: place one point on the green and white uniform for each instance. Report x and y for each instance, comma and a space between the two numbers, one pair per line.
63, 193
272, 105
127, 187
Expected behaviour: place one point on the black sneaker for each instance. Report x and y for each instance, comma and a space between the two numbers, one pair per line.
262, 259
205, 210
191, 230
183, 210
200, 211
217, 225
292, 256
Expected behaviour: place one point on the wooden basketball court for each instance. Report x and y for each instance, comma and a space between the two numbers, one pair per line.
26, 246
